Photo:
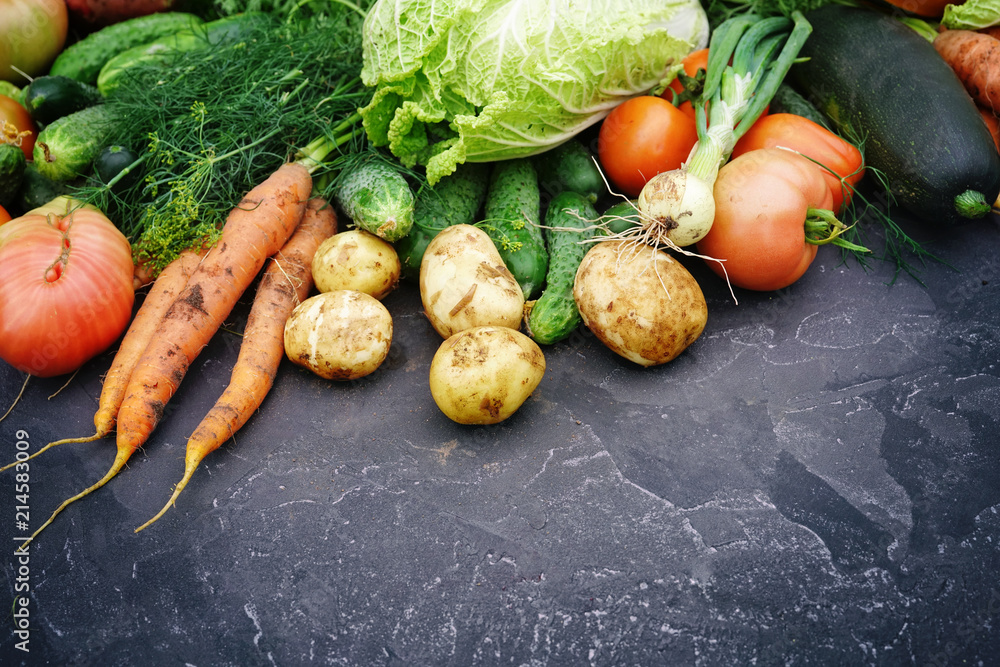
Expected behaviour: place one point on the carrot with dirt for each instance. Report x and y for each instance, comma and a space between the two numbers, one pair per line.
144, 325
286, 283
975, 57
993, 123
254, 230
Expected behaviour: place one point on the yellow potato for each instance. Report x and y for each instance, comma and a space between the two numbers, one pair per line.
464, 283
356, 260
339, 335
482, 375
640, 302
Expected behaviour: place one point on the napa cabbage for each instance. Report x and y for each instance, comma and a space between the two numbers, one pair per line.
483, 80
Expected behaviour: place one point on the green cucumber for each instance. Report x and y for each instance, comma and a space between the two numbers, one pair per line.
511, 219
38, 190
377, 198
620, 217
454, 200
569, 227
66, 148
569, 166
207, 34
881, 82
12, 166
84, 59
50, 97
13, 92
788, 100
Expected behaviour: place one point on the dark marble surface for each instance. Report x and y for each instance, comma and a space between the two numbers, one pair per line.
815, 481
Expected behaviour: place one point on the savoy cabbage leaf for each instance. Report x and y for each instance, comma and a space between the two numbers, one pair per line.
485, 80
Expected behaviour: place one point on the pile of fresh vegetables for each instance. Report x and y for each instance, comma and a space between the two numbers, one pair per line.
530, 167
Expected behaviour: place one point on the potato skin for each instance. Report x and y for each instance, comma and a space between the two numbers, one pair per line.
622, 300
464, 283
482, 375
356, 260
339, 335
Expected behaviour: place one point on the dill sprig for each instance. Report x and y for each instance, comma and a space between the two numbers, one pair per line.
212, 123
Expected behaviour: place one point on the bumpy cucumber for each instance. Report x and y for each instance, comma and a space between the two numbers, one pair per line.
619, 217
13, 92
12, 166
788, 100
200, 36
569, 166
455, 200
83, 60
37, 190
569, 226
66, 148
377, 199
511, 218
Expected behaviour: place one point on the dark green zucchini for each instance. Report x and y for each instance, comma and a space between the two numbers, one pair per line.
48, 98
882, 83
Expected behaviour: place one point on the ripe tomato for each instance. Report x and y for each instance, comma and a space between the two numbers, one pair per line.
65, 287
32, 33
4, 215
692, 63
762, 200
642, 137
15, 121
800, 134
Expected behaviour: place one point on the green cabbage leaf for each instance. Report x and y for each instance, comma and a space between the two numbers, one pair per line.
971, 15
484, 80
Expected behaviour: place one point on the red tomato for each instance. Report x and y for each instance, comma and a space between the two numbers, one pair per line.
642, 137
32, 33
65, 287
692, 63
762, 199
18, 122
4, 215
800, 134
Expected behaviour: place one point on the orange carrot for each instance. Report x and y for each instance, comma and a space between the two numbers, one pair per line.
992, 122
992, 31
254, 230
284, 285
170, 282
975, 57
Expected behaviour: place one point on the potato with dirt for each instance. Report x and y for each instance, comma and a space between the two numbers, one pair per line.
464, 283
358, 260
339, 335
482, 375
639, 301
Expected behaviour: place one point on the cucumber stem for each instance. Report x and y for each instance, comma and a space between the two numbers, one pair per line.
972, 204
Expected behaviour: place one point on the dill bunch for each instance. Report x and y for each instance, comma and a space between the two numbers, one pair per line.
213, 122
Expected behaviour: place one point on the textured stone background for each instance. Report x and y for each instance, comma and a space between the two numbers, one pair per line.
815, 481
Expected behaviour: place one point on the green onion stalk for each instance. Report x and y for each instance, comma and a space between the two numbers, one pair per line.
749, 57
